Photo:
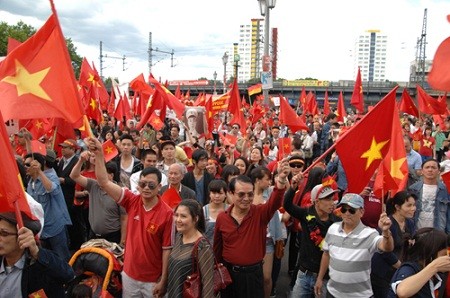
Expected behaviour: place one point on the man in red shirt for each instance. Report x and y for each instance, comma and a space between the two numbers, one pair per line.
240, 234
149, 229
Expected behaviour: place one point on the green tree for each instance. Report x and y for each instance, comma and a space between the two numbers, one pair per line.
22, 32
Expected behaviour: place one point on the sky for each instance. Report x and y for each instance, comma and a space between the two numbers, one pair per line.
316, 38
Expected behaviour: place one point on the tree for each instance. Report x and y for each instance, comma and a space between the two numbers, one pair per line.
22, 32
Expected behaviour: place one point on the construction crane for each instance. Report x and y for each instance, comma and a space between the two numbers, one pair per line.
420, 52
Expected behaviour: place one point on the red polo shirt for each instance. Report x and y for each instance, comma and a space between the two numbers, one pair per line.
245, 244
148, 233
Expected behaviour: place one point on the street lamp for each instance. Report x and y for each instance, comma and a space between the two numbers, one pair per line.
225, 61
265, 6
215, 77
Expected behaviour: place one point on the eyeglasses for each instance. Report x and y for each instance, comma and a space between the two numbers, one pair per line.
27, 165
345, 209
242, 195
296, 165
267, 143
151, 185
235, 127
4, 233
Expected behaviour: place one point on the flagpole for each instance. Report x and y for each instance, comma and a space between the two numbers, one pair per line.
316, 161
18, 214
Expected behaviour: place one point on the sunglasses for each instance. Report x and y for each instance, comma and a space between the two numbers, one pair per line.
345, 209
296, 165
242, 195
235, 127
4, 233
27, 165
151, 185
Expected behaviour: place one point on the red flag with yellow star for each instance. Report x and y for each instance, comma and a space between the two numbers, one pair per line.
38, 294
407, 104
326, 104
92, 107
171, 197
172, 102
429, 105
393, 171
289, 117
90, 79
284, 147
362, 148
37, 127
357, 96
235, 108
37, 79
109, 150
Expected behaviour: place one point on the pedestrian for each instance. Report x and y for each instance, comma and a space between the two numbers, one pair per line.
190, 224
240, 234
149, 229
348, 247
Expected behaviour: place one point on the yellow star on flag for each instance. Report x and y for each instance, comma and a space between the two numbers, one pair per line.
93, 80
395, 170
93, 104
39, 124
286, 146
28, 83
108, 150
156, 121
374, 152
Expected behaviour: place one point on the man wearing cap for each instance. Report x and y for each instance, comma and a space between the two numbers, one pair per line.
348, 248
77, 232
44, 187
27, 270
315, 221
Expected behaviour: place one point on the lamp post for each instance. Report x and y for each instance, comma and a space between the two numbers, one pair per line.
225, 61
265, 6
215, 77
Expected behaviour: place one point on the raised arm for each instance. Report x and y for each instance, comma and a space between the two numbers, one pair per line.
75, 175
112, 189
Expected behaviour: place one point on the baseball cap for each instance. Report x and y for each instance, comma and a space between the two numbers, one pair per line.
320, 192
353, 200
69, 143
33, 225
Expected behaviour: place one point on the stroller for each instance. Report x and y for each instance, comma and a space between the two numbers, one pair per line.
98, 265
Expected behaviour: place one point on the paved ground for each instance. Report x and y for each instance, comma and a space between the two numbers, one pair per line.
284, 278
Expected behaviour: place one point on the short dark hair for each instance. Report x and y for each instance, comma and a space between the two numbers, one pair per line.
195, 209
229, 170
259, 173
199, 154
427, 242
36, 156
111, 167
126, 136
430, 160
146, 152
151, 170
217, 185
398, 199
241, 179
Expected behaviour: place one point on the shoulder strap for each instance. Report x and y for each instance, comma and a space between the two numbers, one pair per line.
195, 256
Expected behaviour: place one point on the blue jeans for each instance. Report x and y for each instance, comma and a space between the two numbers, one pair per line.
304, 285
58, 244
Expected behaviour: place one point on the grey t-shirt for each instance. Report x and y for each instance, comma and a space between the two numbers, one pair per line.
104, 212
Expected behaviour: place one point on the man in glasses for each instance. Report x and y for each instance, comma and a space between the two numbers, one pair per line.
149, 229
315, 221
348, 248
26, 269
240, 234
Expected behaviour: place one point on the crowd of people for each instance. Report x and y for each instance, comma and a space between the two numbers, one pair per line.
238, 199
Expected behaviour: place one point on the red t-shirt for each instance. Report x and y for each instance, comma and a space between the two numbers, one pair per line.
426, 146
148, 234
245, 244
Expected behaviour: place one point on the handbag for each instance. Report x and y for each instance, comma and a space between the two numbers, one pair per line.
192, 287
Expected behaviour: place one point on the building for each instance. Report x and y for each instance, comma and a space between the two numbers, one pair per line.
248, 52
370, 55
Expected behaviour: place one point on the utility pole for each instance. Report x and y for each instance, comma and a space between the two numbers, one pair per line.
110, 57
420, 53
150, 54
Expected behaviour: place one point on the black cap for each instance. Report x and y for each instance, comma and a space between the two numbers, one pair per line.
33, 225
165, 140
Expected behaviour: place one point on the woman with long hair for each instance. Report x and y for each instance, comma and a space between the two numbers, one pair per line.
400, 209
256, 159
190, 224
424, 259
242, 164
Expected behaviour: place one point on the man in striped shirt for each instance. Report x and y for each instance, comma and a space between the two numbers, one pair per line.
348, 249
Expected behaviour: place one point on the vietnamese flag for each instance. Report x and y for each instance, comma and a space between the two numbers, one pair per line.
38, 294
302, 99
109, 150
11, 189
362, 148
156, 122
171, 197
172, 102
439, 75
12, 44
393, 171
407, 104
228, 139
235, 108
38, 147
284, 147
37, 79
357, 99
326, 104
340, 113
37, 127
429, 105
289, 117
446, 179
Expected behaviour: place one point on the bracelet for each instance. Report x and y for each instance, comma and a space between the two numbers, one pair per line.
387, 236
